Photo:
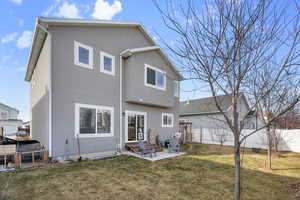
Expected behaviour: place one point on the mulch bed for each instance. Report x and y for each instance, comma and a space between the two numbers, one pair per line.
294, 190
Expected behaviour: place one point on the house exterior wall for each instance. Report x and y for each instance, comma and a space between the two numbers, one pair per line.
10, 127
135, 89
74, 84
39, 97
216, 120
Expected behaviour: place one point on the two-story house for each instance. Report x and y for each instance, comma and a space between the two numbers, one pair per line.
97, 85
9, 121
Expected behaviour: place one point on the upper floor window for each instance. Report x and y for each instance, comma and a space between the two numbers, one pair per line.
94, 120
4, 115
176, 88
107, 63
83, 55
167, 119
155, 77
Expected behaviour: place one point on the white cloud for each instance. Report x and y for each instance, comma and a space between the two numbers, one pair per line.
24, 40
50, 9
21, 69
62, 8
103, 10
17, 1
9, 37
21, 22
68, 10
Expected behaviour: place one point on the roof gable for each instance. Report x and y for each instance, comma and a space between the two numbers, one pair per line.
6, 107
42, 24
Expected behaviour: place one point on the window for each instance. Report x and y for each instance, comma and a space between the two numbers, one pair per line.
107, 63
155, 77
83, 55
93, 120
167, 120
4, 115
176, 88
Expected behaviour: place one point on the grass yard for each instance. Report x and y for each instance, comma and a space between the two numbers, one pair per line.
205, 173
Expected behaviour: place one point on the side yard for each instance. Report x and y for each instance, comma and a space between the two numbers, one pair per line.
206, 172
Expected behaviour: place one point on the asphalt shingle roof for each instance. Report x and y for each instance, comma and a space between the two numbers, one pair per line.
204, 105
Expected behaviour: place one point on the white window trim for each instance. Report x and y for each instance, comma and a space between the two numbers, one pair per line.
154, 86
77, 123
102, 54
178, 88
162, 120
76, 55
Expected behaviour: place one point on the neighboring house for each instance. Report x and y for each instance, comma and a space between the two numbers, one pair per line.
9, 121
97, 85
203, 113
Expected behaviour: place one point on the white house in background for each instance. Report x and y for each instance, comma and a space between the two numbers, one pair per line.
9, 121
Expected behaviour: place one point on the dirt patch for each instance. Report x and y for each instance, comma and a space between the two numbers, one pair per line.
294, 190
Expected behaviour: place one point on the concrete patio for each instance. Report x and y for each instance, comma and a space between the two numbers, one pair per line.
159, 155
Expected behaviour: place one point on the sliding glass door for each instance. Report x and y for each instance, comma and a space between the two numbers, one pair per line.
135, 126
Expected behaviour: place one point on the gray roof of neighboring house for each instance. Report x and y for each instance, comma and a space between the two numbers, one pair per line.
206, 105
43, 23
8, 107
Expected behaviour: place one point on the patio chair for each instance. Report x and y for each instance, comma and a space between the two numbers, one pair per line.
174, 145
146, 150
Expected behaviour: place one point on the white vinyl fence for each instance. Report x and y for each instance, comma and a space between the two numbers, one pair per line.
289, 140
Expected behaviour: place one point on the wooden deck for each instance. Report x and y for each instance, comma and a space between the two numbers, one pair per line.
134, 147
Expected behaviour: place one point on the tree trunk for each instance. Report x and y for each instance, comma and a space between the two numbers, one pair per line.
237, 177
269, 148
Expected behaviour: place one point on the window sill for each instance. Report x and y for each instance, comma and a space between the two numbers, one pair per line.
112, 73
94, 135
155, 87
166, 126
84, 65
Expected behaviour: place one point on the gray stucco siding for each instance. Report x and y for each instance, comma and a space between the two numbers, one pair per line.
134, 86
39, 97
154, 119
74, 84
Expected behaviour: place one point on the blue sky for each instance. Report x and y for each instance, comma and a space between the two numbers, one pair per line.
17, 24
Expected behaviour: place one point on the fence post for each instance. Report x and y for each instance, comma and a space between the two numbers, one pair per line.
18, 160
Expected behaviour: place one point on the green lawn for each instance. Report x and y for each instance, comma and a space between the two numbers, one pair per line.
206, 172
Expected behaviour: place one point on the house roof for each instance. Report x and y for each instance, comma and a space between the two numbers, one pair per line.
129, 52
206, 105
43, 23
8, 107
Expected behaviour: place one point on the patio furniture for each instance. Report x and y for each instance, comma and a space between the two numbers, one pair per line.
174, 145
146, 150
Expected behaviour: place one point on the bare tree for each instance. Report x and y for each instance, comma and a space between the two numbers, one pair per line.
224, 43
273, 96
220, 135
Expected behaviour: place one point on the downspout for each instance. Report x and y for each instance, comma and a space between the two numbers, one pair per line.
121, 103
121, 95
50, 86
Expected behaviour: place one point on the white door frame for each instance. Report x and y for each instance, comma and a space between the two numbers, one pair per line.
127, 113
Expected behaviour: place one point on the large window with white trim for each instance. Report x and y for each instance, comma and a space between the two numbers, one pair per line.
107, 63
94, 120
167, 120
155, 77
83, 55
